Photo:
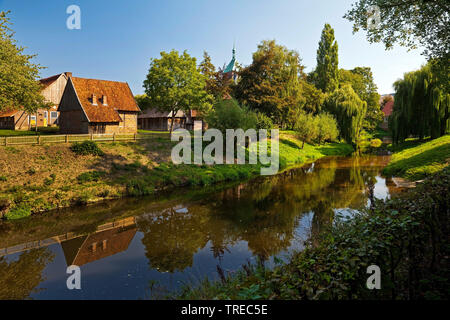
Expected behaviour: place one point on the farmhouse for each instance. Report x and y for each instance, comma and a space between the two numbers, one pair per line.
52, 90
97, 106
387, 110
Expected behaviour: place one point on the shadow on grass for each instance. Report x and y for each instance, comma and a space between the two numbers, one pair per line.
422, 164
335, 149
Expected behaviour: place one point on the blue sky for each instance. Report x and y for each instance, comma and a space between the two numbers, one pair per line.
118, 37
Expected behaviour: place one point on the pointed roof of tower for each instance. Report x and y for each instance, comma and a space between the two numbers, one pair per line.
230, 66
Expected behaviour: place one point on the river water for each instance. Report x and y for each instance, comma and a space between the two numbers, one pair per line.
142, 248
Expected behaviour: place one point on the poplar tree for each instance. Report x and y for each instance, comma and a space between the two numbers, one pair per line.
326, 75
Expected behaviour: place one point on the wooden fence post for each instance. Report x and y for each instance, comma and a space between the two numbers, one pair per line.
39, 139
114, 137
135, 136
67, 138
6, 141
92, 136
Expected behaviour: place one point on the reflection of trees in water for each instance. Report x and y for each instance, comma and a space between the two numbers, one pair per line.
19, 278
171, 238
264, 213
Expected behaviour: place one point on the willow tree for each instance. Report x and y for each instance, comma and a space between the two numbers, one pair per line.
421, 106
349, 111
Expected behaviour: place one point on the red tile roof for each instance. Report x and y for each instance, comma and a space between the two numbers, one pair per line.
8, 113
118, 94
388, 107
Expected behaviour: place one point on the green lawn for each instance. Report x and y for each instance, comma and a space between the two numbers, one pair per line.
41, 131
415, 160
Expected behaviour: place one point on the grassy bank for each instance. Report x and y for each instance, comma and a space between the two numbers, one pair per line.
36, 178
406, 237
40, 131
414, 160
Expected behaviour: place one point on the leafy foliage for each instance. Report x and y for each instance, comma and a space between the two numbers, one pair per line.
18, 85
175, 83
411, 23
421, 106
87, 148
271, 83
326, 75
227, 114
349, 111
361, 80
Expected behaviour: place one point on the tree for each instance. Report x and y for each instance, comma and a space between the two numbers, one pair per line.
271, 83
327, 129
326, 75
143, 101
349, 111
361, 80
174, 83
227, 114
306, 127
421, 106
18, 85
410, 23
313, 97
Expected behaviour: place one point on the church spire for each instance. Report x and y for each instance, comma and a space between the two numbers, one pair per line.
230, 66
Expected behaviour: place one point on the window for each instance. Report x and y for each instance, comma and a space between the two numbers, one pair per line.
45, 114
54, 114
33, 118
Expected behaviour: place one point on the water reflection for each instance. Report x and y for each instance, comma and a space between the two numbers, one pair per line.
182, 233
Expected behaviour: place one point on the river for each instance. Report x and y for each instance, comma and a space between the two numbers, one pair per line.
141, 248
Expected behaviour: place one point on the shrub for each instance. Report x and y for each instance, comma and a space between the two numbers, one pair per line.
3, 178
227, 114
18, 212
375, 143
49, 181
139, 187
31, 171
90, 176
263, 121
87, 148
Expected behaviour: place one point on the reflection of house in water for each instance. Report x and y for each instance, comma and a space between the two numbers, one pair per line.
89, 248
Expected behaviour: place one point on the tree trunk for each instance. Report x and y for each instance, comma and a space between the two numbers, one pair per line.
171, 123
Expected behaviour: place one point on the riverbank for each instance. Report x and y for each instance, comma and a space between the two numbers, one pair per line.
414, 160
406, 237
36, 179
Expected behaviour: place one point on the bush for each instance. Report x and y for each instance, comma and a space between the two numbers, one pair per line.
263, 121
90, 176
375, 143
87, 148
3, 179
18, 212
227, 114
139, 187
